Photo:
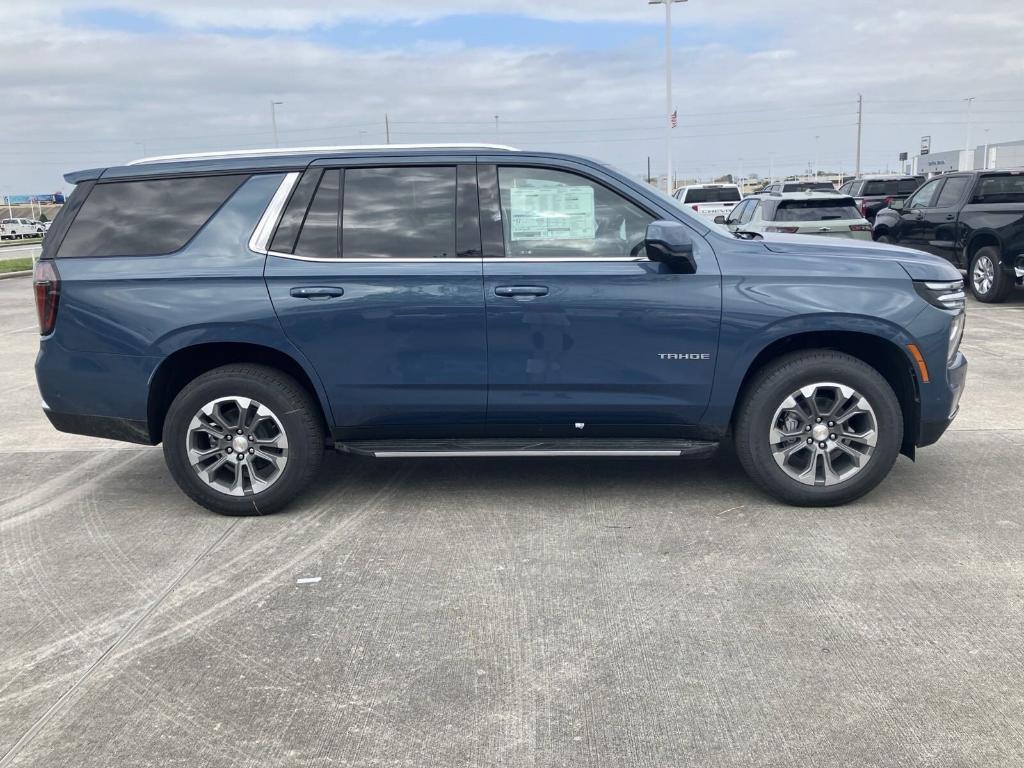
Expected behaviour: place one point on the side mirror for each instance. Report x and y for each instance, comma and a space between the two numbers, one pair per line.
719, 219
669, 242
897, 205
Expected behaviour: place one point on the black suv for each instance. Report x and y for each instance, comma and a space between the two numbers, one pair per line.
873, 193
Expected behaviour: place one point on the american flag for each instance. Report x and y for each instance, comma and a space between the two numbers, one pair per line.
675, 118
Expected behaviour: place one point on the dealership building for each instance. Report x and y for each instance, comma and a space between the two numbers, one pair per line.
1008, 154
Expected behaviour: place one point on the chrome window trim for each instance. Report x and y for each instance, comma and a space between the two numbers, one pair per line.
260, 239
288, 151
495, 259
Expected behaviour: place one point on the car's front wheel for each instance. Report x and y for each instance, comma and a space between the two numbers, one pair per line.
989, 282
818, 428
243, 439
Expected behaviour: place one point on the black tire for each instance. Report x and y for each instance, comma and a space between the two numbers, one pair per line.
297, 412
769, 389
1001, 283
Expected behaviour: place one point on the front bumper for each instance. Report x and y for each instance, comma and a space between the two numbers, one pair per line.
956, 377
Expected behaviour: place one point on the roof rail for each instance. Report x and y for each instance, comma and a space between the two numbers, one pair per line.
243, 153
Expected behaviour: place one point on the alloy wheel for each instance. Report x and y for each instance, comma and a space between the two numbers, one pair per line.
237, 446
823, 434
983, 275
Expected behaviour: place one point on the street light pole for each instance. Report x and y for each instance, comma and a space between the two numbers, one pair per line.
273, 118
668, 87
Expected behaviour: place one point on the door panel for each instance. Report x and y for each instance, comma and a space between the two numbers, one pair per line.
610, 343
403, 343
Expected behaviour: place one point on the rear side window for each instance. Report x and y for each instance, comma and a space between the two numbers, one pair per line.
815, 210
711, 195
399, 213
145, 218
319, 236
1000, 189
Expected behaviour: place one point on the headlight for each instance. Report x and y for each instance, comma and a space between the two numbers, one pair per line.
944, 295
956, 334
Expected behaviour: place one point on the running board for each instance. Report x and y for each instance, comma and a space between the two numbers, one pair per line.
403, 449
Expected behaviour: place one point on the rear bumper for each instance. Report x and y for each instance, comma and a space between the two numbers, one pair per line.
109, 427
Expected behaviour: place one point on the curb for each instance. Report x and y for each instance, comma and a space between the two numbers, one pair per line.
6, 275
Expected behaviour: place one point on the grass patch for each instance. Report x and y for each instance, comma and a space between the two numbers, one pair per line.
22, 241
16, 265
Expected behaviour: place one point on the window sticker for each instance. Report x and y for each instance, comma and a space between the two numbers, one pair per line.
553, 213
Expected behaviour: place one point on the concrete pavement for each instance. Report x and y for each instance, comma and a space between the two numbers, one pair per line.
516, 613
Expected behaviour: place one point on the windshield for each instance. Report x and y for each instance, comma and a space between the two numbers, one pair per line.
712, 195
816, 210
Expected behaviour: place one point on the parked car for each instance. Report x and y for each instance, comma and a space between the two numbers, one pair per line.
875, 192
804, 213
13, 229
709, 200
975, 219
780, 187
251, 309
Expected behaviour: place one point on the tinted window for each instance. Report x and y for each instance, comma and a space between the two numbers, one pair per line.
881, 187
145, 218
291, 220
553, 213
319, 236
953, 190
816, 210
748, 212
399, 213
907, 186
712, 195
925, 196
1000, 189
736, 214
800, 186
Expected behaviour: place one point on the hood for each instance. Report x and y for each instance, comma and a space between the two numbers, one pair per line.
917, 264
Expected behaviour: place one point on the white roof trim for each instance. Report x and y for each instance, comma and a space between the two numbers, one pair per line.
242, 153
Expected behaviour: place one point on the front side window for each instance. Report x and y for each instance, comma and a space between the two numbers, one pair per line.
748, 212
554, 213
145, 218
952, 191
400, 212
736, 215
925, 196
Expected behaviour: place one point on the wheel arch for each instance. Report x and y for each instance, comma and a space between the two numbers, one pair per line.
979, 240
882, 354
185, 364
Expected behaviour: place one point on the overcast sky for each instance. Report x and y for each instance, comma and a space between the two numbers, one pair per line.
90, 84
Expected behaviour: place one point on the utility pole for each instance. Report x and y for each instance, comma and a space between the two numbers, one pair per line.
967, 141
497, 128
387, 129
273, 117
860, 128
648, 169
668, 87
816, 156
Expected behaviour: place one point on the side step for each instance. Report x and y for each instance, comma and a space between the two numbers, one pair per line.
487, 447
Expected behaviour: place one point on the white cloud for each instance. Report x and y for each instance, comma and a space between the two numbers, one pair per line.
84, 96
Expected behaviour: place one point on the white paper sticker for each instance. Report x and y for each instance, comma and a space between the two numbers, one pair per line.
553, 213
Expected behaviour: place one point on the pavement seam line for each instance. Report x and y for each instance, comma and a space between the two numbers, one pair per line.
40, 723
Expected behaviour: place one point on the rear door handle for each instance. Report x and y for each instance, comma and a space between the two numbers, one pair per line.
950, 217
521, 290
317, 292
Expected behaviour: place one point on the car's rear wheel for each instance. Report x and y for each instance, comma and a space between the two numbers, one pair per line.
243, 439
818, 428
988, 281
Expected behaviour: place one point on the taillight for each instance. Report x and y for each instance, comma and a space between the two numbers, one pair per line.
783, 230
860, 227
696, 208
888, 202
46, 286
864, 208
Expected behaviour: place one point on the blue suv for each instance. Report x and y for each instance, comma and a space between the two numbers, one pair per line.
249, 310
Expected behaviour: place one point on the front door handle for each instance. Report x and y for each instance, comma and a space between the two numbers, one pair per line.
950, 216
317, 292
521, 290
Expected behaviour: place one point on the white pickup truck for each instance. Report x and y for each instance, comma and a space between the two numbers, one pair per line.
709, 200
11, 229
